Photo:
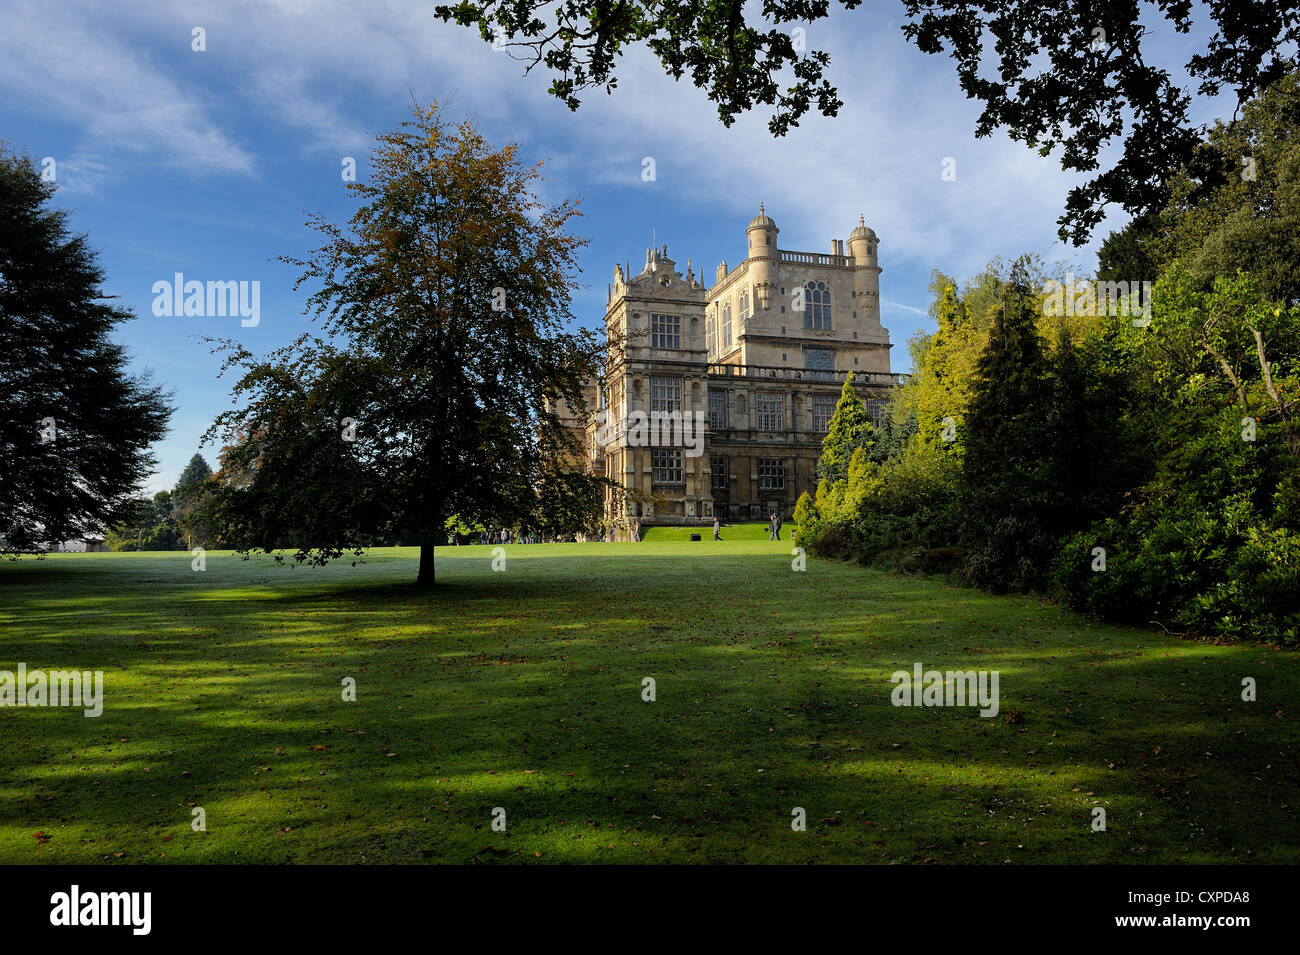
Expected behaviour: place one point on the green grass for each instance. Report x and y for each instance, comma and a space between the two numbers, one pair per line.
728, 532
522, 689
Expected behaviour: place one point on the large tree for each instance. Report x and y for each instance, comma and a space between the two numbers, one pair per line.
1234, 205
1010, 499
75, 425
445, 303
1067, 74
189, 498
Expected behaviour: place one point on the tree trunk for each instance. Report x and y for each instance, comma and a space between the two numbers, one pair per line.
425, 578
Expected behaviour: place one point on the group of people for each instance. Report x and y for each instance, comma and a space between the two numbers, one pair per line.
773, 527
507, 536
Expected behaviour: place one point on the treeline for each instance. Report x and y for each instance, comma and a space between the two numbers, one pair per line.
1142, 466
170, 520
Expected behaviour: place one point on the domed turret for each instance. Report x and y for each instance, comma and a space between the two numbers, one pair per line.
863, 242
864, 246
762, 233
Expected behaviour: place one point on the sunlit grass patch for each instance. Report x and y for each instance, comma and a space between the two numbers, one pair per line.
522, 690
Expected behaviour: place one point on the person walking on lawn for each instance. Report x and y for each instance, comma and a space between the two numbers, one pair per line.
716, 528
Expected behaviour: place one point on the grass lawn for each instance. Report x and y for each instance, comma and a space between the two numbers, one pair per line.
522, 690
728, 532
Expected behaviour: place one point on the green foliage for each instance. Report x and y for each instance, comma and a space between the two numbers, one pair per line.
940, 389
75, 427
807, 517
1174, 447
1233, 205
195, 473
190, 500
849, 429
1208, 544
1010, 493
895, 505
1145, 472
1066, 74
157, 523
446, 301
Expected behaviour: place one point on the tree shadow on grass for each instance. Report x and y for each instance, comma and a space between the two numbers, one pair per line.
524, 691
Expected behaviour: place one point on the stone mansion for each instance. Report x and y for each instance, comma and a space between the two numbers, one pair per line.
757, 360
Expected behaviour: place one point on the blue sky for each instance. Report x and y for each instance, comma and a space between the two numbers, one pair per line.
206, 163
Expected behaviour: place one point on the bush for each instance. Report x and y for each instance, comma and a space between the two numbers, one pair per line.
1204, 549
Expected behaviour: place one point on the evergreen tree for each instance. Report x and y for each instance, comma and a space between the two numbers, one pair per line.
195, 473
849, 429
75, 426
189, 500
1009, 499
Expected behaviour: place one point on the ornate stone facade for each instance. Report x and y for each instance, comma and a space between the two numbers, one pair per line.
758, 360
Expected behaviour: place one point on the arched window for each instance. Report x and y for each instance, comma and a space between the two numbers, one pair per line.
711, 336
817, 306
726, 325
744, 306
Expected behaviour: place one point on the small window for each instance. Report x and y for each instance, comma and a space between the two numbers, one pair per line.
771, 412
667, 466
718, 474
771, 474
665, 394
876, 409
823, 408
717, 409
665, 331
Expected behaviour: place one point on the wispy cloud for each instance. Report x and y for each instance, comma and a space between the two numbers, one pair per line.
71, 62
899, 306
305, 66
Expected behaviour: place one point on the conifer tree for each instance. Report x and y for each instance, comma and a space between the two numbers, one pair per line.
850, 428
75, 425
1009, 497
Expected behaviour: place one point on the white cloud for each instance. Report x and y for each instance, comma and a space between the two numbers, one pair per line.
70, 62
889, 304
317, 67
